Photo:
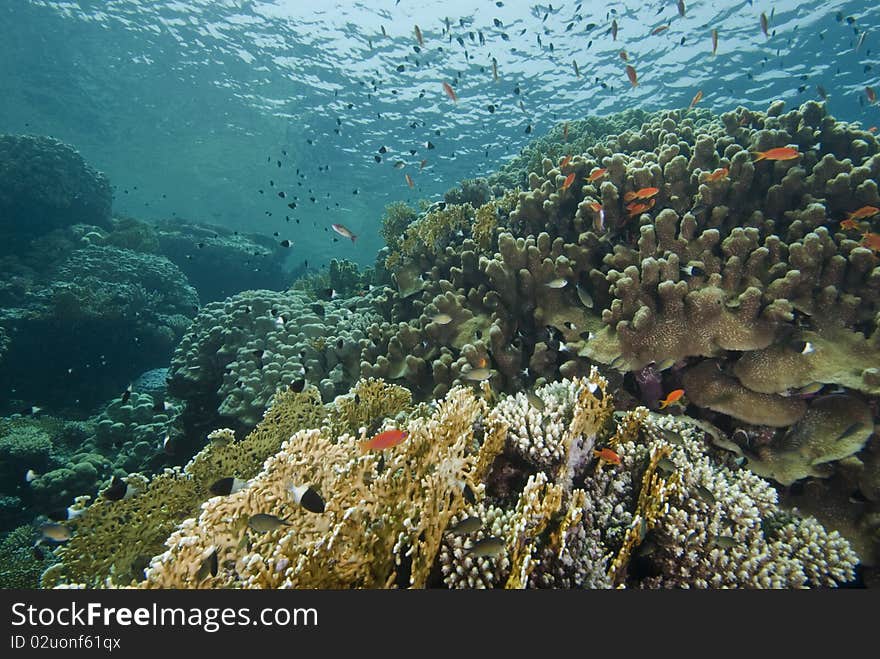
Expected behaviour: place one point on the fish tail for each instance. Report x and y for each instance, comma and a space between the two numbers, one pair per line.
353, 237
663, 404
759, 155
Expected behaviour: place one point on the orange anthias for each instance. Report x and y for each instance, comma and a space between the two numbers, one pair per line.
450, 92
607, 455
863, 213
409, 180
672, 397
849, 224
718, 174
782, 153
564, 162
644, 193
596, 174
697, 97
568, 181
871, 241
384, 440
637, 207
631, 74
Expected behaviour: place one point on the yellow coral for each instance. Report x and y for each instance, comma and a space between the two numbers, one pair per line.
114, 540
653, 503
384, 517
369, 400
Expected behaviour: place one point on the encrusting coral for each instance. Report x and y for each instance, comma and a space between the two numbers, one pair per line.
459, 503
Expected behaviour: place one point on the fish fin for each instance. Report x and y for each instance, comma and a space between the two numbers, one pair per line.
353, 237
759, 155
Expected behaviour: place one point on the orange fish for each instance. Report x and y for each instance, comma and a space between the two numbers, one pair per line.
872, 95
596, 174
871, 241
863, 213
782, 153
631, 74
872, 129
564, 162
419, 36
384, 440
607, 455
660, 29
718, 174
714, 41
599, 220
696, 99
568, 181
624, 56
450, 92
644, 193
673, 397
849, 224
409, 181
637, 208
765, 25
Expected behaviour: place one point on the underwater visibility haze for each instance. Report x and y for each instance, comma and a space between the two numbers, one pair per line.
390, 294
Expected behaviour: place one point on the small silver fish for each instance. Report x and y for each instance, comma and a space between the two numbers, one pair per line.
585, 297
263, 523
31, 476
490, 546
666, 364
559, 282
672, 437
477, 374
812, 388
441, 318
723, 541
55, 532
535, 400
666, 465
705, 495
467, 525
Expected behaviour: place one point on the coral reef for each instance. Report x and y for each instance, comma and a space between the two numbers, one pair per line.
460, 502
238, 353
46, 184
127, 309
247, 260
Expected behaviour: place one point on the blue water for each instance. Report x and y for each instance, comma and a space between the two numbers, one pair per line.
188, 106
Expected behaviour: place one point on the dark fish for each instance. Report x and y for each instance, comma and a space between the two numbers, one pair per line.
263, 522
126, 395
209, 566
469, 494
298, 385
487, 547
226, 486
850, 431
308, 498
285, 243
117, 490
705, 495
37, 552
467, 525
